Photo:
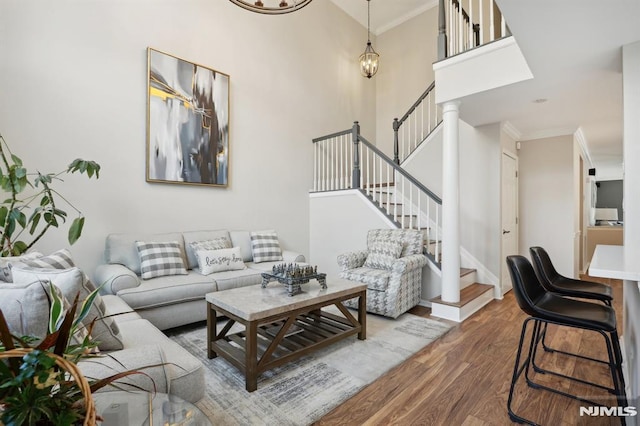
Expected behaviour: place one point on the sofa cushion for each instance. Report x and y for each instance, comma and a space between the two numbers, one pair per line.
6, 263
158, 259
169, 290
116, 308
382, 254
74, 282
376, 279
140, 358
227, 259
25, 306
234, 279
242, 239
265, 246
121, 248
185, 371
194, 236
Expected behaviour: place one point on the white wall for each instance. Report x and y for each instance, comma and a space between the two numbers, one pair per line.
546, 201
73, 84
631, 149
480, 156
480, 163
406, 56
631, 206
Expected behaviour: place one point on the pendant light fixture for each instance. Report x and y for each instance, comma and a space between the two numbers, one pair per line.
369, 59
273, 7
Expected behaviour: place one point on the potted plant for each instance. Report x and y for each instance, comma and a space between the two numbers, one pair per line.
32, 207
40, 383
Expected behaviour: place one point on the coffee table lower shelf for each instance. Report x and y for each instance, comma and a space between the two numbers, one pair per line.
270, 342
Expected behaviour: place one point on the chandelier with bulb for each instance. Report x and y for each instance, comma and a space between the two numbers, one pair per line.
369, 60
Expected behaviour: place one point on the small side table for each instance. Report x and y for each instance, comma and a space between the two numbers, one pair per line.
121, 408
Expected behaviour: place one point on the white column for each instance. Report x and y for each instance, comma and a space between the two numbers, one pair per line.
451, 203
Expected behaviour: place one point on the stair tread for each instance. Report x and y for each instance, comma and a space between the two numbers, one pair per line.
466, 271
467, 295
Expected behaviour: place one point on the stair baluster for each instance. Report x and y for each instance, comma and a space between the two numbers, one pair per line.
380, 179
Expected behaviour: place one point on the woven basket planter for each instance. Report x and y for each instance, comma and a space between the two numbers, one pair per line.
69, 367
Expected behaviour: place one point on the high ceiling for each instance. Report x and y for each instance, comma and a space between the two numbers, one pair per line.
385, 14
573, 48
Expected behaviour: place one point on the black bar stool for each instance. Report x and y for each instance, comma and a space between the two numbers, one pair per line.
552, 281
545, 307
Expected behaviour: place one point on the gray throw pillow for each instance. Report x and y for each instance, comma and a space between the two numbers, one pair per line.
265, 246
73, 281
8, 261
25, 306
158, 259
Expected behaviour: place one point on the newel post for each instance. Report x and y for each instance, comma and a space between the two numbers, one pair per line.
355, 137
442, 31
396, 126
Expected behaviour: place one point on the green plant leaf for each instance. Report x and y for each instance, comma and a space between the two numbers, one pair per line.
50, 218
75, 230
3, 214
56, 312
35, 219
82, 166
86, 306
19, 247
19, 217
16, 159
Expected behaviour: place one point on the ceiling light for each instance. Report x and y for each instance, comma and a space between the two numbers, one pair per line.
369, 59
273, 7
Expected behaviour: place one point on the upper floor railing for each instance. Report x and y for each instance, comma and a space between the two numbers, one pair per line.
467, 24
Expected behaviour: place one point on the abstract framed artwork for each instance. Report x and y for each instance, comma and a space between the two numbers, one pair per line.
187, 122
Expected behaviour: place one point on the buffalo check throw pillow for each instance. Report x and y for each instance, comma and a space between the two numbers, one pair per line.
265, 246
158, 259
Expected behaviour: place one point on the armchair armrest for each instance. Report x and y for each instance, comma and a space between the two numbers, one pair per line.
408, 263
292, 257
115, 277
351, 260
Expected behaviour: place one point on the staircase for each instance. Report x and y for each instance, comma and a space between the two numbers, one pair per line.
347, 161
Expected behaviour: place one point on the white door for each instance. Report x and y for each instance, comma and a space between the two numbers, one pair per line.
509, 214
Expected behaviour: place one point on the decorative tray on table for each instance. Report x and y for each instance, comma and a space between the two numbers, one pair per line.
291, 276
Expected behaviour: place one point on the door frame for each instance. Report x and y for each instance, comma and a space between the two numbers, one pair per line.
513, 156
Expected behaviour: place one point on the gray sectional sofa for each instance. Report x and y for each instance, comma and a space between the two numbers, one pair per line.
126, 341
132, 310
175, 300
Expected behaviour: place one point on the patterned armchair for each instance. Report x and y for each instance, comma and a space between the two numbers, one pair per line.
391, 267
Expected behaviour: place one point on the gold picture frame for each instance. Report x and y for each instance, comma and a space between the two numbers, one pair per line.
187, 122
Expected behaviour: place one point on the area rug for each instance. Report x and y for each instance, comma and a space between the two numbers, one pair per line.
302, 391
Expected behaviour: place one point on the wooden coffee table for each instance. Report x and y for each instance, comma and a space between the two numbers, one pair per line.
279, 328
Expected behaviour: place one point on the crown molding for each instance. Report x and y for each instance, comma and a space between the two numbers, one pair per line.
511, 131
549, 133
581, 139
386, 27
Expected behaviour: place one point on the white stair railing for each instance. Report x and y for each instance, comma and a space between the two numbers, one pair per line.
467, 24
346, 160
415, 125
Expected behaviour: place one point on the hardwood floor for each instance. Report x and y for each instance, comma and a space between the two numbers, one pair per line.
464, 377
